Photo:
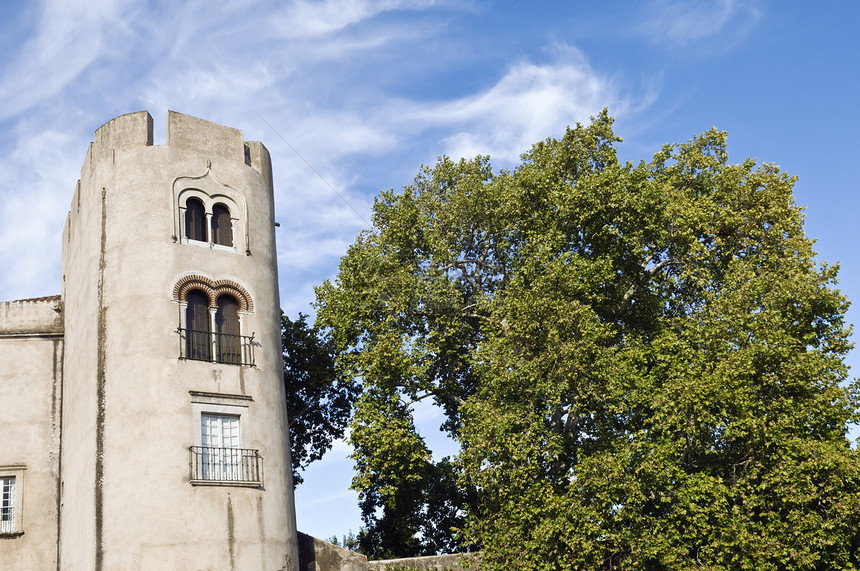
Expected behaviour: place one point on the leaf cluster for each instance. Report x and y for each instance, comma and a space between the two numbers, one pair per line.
319, 401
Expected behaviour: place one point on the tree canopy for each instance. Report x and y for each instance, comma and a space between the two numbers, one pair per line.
642, 363
319, 402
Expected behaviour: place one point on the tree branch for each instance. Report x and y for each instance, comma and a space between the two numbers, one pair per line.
657, 267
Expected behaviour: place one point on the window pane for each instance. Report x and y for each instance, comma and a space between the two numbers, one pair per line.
197, 335
7, 504
222, 226
195, 220
220, 440
220, 430
227, 328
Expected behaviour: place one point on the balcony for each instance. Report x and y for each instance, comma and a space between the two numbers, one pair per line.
225, 348
225, 466
7, 520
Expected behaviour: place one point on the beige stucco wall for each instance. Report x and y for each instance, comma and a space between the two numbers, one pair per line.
128, 405
43, 316
31, 351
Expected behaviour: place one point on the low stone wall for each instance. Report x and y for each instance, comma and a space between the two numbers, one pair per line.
451, 562
318, 555
40, 316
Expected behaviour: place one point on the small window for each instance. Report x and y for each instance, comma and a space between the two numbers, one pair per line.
222, 226
195, 220
7, 505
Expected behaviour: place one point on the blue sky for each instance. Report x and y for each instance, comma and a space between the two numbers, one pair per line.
367, 91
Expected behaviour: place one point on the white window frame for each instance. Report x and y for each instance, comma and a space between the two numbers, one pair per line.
222, 405
219, 435
15, 526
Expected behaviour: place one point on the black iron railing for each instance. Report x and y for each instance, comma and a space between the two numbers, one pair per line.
228, 465
216, 347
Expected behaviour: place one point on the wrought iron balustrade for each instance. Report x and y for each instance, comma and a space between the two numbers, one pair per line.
225, 465
216, 347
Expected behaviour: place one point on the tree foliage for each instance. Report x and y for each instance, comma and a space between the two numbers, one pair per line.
642, 363
319, 401
404, 316
348, 541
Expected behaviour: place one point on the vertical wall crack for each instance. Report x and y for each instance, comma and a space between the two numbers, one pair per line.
100, 390
58, 371
231, 533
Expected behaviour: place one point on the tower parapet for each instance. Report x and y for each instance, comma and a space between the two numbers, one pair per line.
36, 316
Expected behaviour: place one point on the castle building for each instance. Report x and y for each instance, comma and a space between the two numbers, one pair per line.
142, 411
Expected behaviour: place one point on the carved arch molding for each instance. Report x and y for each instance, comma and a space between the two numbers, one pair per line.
210, 190
213, 289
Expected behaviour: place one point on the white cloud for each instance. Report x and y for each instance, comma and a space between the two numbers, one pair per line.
326, 135
528, 104
313, 19
70, 35
683, 23
43, 170
296, 255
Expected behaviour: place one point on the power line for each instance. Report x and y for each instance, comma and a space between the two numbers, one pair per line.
345, 201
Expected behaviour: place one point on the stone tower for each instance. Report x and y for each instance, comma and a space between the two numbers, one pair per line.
174, 451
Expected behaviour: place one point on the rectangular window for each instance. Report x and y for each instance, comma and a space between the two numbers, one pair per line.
219, 456
7, 504
220, 440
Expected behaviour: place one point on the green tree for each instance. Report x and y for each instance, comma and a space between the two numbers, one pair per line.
642, 363
319, 402
404, 315
348, 541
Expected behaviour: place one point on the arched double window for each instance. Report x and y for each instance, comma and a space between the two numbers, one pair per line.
215, 227
208, 212
210, 323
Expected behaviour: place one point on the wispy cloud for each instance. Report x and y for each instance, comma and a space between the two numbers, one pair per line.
318, 500
33, 214
683, 23
313, 19
69, 36
529, 103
